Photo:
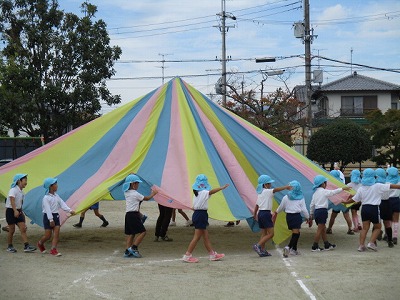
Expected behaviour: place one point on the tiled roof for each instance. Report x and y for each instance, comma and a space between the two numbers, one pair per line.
357, 82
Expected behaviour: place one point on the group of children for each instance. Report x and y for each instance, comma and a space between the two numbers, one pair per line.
379, 198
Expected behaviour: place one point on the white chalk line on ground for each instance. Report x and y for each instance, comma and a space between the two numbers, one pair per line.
289, 266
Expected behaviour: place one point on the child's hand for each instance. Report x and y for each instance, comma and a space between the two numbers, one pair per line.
72, 212
52, 224
274, 215
224, 186
346, 188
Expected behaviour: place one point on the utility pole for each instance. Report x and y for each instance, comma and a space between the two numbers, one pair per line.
163, 62
224, 29
307, 43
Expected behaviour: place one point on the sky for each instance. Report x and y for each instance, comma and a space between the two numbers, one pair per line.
186, 35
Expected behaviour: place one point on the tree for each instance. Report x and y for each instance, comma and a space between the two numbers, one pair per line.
277, 113
341, 141
385, 132
54, 66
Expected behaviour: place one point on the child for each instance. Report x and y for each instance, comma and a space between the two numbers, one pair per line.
355, 183
14, 213
319, 211
394, 198
385, 209
95, 208
133, 218
370, 195
262, 212
336, 209
202, 192
294, 205
51, 219
183, 214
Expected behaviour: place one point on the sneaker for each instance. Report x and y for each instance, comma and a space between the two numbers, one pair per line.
216, 256
361, 248
329, 246
189, 223
286, 251
350, 232
144, 218
29, 248
190, 259
41, 247
127, 254
77, 225
390, 244
316, 248
11, 249
329, 230
395, 240
105, 224
379, 238
265, 253
156, 239
237, 222
172, 223
385, 238
229, 224
372, 247
134, 252
294, 252
55, 252
257, 248
166, 239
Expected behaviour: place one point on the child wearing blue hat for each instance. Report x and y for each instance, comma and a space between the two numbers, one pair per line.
385, 209
262, 212
370, 195
355, 183
202, 192
51, 219
95, 207
319, 211
294, 205
133, 218
14, 213
394, 199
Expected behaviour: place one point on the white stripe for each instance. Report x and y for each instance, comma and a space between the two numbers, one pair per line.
306, 290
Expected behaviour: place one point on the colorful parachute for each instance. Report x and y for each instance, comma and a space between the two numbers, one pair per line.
167, 138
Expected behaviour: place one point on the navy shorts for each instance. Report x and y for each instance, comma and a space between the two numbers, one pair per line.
95, 206
395, 204
320, 215
370, 213
11, 219
294, 221
133, 223
356, 206
386, 210
265, 219
46, 222
200, 219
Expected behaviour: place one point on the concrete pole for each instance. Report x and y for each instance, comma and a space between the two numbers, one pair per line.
307, 42
223, 58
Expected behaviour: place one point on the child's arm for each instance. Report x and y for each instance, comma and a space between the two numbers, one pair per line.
216, 190
153, 193
255, 212
349, 200
64, 206
395, 186
281, 188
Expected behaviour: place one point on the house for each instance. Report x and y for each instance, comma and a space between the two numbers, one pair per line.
353, 97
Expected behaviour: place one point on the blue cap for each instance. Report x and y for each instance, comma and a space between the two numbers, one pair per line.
318, 180
336, 174
16, 178
355, 176
368, 177
295, 193
128, 180
393, 175
263, 179
201, 183
49, 182
380, 175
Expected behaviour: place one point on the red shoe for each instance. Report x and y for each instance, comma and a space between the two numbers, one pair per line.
41, 247
55, 252
216, 256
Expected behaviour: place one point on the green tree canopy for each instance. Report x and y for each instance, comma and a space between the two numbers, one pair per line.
385, 132
53, 67
341, 141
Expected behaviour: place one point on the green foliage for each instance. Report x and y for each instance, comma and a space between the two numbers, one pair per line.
385, 132
342, 141
53, 67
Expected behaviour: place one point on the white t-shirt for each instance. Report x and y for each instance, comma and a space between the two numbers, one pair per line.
51, 204
320, 198
293, 206
200, 202
394, 192
264, 200
354, 186
372, 194
18, 195
133, 199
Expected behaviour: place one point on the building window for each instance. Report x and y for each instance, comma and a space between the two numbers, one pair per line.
358, 105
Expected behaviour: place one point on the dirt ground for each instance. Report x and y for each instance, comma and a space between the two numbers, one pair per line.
92, 265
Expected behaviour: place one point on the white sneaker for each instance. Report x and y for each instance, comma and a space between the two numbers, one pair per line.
190, 259
286, 251
372, 247
294, 252
172, 223
188, 223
